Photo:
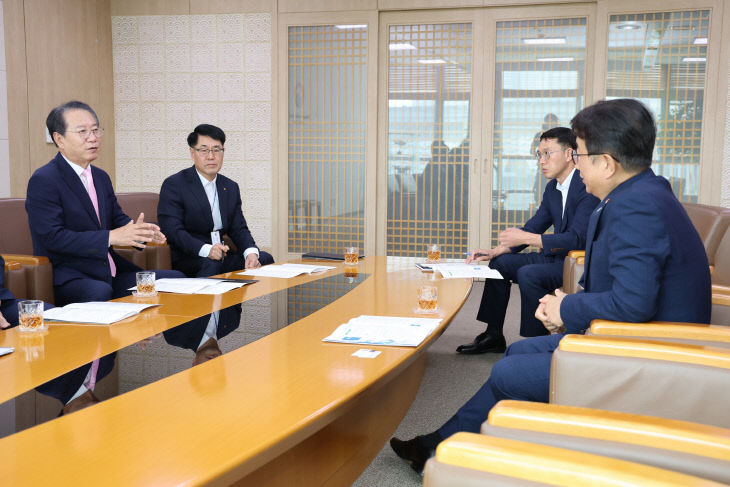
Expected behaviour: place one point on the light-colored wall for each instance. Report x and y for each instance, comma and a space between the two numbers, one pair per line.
726, 151
173, 72
4, 143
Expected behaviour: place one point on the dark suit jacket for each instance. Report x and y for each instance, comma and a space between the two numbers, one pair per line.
186, 219
569, 228
64, 226
644, 260
188, 335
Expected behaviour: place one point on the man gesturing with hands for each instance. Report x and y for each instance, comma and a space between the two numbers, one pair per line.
75, 218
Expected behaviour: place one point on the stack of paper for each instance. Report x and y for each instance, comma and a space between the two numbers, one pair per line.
285, 271
384, 330
456, 270
202, 285
104, 313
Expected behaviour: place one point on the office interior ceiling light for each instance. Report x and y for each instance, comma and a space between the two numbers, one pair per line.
351, 26
543, 40
700, 41
556, 59
432, 61
694, 59
400, 46
628, 26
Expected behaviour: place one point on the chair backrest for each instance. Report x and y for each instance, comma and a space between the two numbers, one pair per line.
711, 223
721, 274
140, 202
13, 216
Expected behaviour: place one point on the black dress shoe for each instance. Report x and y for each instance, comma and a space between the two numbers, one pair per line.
476, 340
488, 344
412, 451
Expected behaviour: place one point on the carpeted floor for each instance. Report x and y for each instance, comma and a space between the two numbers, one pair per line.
449, 381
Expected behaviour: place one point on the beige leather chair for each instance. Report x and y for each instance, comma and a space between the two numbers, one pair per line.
470, 459
155, 256
671, 380
690, 448
16, 245
573, 271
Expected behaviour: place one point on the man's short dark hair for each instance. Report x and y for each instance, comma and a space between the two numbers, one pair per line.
564, 136
209, 130
623, 128
56, 120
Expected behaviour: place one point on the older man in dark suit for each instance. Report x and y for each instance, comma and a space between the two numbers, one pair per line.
75, 218
644, 261
198, 206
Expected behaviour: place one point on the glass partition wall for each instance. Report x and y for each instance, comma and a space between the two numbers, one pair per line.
462, 98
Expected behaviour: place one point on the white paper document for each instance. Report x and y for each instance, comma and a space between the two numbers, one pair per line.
202, 285
456, 270
94, 312
6, 350
285, 271
384, 330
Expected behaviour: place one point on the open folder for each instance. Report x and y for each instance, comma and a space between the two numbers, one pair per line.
384, 330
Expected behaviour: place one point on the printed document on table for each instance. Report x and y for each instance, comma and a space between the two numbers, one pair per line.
285, 271
457, 270
95, 312
193, 285
384, 330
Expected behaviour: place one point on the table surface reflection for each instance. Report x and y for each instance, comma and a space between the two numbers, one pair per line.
266, 392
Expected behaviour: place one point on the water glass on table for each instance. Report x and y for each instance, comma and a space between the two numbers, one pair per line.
433, 253
352, 255
427, 299
30, 315
145, 284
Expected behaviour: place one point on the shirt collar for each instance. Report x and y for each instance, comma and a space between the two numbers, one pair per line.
203, 180
77, 169
566, 184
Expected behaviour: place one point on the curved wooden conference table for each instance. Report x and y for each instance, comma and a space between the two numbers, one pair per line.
287, 409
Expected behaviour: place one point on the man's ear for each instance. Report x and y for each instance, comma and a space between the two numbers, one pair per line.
58, 138
609, 165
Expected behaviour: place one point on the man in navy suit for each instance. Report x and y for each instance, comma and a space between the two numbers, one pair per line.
644, 261
565, 206
198, 206
74, 216
201, 335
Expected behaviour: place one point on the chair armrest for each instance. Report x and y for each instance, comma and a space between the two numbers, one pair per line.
574, 254
15, 280
635, 429
662, 329
27, 259
550, 465
38, 275
647, 349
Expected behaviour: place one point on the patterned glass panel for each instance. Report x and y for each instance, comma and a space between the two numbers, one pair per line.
660, 59
539, 84
429, 99
326, 144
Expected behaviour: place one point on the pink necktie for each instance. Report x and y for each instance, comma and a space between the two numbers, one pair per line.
95, 202
92, 378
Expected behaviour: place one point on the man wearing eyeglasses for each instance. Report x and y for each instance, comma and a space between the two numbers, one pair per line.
75, 219
198, 206
565, 207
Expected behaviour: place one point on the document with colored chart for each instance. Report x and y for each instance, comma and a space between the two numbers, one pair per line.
384, 330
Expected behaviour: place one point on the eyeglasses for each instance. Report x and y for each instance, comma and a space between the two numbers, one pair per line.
204, 151
546, 155
576, 155
85, 134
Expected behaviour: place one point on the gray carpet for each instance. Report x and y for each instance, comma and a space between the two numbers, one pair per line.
449, 381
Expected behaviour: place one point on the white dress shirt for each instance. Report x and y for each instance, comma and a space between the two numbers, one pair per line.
564, 187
